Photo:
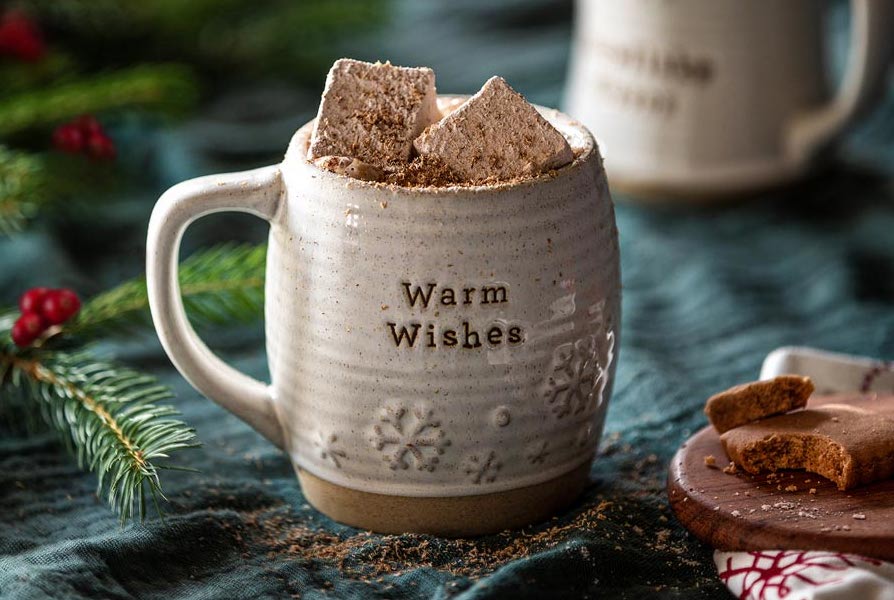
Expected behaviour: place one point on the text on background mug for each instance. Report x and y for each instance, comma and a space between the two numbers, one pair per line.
441, 359
710, 97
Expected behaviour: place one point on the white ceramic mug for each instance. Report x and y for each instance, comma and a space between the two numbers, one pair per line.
441, 359
712, 97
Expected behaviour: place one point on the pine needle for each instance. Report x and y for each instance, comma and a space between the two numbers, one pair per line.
106, 415
221, 285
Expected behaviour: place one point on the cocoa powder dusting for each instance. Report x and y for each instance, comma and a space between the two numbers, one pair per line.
368, 556
422, 171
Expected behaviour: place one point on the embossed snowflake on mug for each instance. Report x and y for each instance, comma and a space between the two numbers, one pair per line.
578, 376
482, 467
404, 435
329, 449
537, 451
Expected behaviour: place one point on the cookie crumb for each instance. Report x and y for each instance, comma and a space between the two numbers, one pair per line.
859, 516
791, 488
730, 469
710, 461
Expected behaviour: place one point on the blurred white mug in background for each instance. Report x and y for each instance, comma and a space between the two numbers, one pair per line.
705, 98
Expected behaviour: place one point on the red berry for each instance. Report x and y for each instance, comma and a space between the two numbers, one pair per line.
68, 138
20, 38
100, 146
31, 299
88, 125
26, 329
58, 306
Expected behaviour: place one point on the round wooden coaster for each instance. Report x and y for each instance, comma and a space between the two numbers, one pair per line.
766, 512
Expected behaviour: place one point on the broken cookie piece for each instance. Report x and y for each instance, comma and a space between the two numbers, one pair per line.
848, 440
350, 167
496, 135
373, 112
752, 401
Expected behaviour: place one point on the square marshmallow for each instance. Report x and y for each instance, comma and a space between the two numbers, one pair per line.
495, 135
373, 112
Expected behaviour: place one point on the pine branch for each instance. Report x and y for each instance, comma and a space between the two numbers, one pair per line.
34, 183
22, 189
222, 285
162, 87
295, 40
107, 416
18, 77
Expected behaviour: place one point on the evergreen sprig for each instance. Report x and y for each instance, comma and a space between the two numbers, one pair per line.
161, 87
111, 416
22, 188
107, 416
219, 285
17, 77
35, 183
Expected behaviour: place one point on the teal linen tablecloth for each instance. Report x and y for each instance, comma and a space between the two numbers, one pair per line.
707, 294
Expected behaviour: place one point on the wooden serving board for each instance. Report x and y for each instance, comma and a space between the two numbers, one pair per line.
746, 512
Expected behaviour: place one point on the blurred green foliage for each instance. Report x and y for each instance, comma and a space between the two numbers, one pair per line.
290, 39
162, 87
158, 56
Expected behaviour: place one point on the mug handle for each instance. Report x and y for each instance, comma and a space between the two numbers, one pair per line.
871, 40
256, 192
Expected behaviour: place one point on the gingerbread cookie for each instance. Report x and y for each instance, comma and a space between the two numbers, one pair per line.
849, 440
752, 401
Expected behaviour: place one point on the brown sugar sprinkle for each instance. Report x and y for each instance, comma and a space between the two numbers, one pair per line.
370, 555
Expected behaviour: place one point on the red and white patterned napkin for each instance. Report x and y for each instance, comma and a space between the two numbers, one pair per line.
804, 575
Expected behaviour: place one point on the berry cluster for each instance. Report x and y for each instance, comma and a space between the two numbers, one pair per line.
19, 37
86, 135
42, 308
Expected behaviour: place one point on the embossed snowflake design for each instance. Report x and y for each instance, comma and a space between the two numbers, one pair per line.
536, 452
482, 468
328, 448
578, 376
404, 435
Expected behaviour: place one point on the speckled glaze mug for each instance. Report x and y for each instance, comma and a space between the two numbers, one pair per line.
441, 358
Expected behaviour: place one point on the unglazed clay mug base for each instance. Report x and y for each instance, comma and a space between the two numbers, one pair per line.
441, 358
694, 99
